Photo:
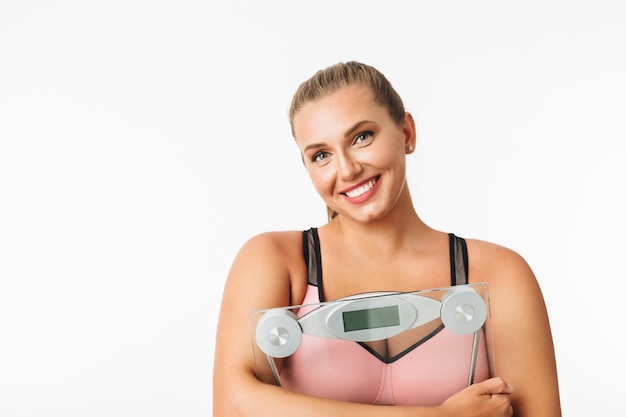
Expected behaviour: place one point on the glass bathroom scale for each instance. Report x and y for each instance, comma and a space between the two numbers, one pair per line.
375, 330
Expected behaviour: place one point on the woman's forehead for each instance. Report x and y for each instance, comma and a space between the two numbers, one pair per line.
336, 111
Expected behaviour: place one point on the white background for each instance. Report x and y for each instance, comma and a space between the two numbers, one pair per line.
142, 142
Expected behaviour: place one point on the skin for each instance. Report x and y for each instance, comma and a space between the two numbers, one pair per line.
378, 242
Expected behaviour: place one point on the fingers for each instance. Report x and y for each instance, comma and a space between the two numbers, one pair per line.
499, 393
488, 398
495, 385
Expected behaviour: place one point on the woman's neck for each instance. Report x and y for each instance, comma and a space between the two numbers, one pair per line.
391, 234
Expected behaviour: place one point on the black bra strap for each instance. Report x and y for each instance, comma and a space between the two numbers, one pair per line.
313, 259
458, 260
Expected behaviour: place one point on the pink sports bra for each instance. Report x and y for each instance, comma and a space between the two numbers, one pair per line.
426, 373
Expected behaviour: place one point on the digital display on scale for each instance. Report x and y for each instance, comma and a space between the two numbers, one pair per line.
371, 318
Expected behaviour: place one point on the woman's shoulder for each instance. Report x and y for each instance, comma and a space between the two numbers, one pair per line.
489, 249
269, 260
512, 283
272, 250
492, 261
274, 241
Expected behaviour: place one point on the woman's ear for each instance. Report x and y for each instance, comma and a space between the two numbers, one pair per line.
410, 132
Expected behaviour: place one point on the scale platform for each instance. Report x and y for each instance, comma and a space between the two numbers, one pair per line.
384, 326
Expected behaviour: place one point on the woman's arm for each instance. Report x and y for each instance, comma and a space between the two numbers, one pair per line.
260, 278
523, 346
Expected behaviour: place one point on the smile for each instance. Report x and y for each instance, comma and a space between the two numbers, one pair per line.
362, 189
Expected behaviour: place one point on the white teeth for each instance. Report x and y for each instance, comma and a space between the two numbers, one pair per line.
362, 189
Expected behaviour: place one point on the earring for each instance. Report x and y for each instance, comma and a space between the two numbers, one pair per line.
409, 148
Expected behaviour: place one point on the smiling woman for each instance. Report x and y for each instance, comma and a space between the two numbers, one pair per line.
354, 135
370, 85
343, 137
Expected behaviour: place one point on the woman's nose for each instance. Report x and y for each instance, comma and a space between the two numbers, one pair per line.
349, 167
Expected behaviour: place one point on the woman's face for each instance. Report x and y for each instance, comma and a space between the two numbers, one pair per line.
354, 152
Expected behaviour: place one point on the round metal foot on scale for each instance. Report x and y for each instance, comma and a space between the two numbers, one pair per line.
278, 333
463, 310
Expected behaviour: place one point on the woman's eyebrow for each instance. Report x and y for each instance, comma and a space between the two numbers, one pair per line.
314, 146
349, 132
355, 127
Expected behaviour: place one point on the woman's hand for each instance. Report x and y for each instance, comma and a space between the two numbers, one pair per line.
490, 398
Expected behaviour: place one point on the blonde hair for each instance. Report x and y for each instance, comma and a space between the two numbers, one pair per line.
331, 79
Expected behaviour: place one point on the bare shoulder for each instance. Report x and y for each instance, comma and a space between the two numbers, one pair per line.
493, 262
512, 282
270, 260
516, 299
278, 243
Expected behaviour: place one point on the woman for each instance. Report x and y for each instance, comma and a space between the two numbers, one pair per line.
354, 135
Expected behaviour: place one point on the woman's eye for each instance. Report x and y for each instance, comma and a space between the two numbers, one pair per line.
320, 156
363, 137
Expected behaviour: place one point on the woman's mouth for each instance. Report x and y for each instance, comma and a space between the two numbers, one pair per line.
362, 189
